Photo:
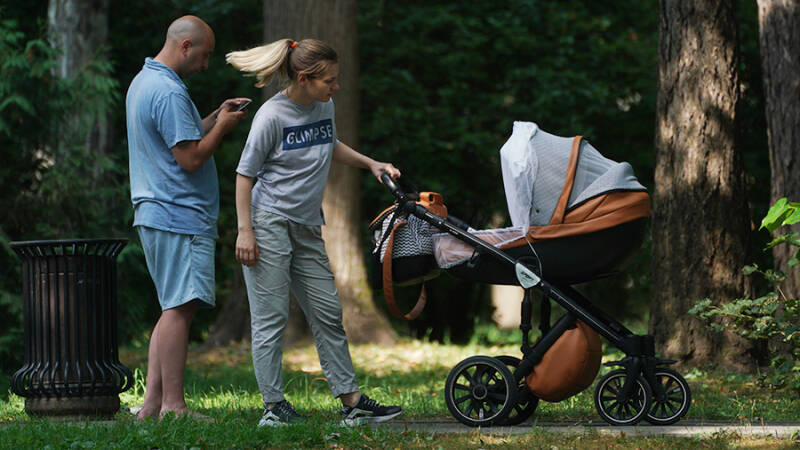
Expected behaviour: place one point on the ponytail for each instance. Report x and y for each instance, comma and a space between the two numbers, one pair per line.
286, 58
263, 62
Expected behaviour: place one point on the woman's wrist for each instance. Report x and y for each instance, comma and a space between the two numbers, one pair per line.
245, 228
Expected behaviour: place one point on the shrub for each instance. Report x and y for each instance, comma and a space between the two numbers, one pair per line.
772, 317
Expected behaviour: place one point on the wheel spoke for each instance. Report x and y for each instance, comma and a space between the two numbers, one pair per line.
462, 399
469, 409
673, 409
460, 386
497, 396
618, 411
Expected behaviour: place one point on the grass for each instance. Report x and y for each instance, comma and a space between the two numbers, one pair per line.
220, 383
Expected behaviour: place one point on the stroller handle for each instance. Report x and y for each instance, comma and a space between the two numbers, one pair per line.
393, 188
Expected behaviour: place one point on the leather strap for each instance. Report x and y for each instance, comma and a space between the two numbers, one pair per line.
561, 207
388, 288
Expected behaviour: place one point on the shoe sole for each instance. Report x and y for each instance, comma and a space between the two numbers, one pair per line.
272, 424
371, 419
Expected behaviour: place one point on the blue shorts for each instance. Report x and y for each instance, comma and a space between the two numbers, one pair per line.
181, 266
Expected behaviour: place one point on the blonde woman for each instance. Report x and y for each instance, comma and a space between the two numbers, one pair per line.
288, 152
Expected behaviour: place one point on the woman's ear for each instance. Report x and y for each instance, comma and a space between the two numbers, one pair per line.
302, 78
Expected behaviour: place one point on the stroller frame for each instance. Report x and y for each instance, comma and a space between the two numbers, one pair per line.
643, 389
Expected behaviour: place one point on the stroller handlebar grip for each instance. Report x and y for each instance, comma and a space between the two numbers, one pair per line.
392, 186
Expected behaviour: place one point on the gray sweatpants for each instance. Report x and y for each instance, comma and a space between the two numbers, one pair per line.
292, 256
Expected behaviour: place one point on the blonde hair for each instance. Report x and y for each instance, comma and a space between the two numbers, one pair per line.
285, 58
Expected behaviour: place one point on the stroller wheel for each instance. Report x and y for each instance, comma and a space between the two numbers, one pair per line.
673, 404
480, 391
613, 407
526, 402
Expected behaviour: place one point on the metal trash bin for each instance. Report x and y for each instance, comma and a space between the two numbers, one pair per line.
72, 363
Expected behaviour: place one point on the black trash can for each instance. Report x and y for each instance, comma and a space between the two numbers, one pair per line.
72, 363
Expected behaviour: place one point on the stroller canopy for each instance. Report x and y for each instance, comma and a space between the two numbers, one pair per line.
535, 169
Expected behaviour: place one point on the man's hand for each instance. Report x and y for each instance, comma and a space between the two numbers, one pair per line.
228, 116
232, 104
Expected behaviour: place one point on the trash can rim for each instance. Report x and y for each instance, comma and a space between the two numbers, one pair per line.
66, 241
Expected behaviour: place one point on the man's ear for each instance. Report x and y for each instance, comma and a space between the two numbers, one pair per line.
185, 45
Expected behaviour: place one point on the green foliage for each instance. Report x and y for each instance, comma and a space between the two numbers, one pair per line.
772, 317
781, 213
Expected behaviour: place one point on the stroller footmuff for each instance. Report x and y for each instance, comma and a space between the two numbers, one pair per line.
577, 216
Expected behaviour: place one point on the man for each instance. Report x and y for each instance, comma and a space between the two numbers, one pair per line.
176, 199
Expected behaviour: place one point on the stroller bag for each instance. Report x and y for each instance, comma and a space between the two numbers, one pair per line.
569, 366
402, 251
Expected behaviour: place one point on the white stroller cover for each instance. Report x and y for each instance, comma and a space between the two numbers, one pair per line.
534, 165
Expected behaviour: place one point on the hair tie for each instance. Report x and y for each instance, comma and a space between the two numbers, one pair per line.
293, 44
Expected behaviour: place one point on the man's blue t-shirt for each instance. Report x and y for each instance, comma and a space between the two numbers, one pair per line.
166, 197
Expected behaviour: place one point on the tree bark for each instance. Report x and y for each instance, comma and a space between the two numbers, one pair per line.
335, 22
79, 29
779, 36
700, 216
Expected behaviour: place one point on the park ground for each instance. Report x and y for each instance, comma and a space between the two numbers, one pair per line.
221, 384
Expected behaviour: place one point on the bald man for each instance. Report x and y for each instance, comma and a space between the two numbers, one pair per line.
175, 198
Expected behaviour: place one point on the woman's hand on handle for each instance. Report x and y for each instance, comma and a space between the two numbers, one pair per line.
379, 168
246, 247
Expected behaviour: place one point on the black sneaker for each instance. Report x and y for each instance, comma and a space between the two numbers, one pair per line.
368, 410
281, 413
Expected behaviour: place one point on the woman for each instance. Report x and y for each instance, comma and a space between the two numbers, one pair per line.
289, 150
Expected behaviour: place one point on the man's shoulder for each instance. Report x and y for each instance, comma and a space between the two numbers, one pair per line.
156, 85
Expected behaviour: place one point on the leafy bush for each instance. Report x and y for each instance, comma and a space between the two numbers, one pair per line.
772, 317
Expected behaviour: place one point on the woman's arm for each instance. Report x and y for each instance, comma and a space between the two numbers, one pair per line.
246, 246
343, 154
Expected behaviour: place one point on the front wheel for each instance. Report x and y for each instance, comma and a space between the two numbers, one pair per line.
480, 391
674, 400
526, 402
616, 408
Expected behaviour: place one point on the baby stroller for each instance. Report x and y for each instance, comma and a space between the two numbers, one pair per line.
577, 216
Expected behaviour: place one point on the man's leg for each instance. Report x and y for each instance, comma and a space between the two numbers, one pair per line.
152, 391
181, 267
172, 344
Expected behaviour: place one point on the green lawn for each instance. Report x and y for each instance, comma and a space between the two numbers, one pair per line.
220, 383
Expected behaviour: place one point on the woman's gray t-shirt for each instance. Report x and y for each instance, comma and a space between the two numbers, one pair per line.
289, 151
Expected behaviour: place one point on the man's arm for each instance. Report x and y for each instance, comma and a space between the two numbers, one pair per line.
191, 155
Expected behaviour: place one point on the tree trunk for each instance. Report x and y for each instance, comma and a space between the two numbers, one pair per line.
779, 31
700, 215
79, 29
336, 22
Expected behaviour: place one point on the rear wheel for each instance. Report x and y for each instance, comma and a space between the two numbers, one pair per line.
526, 402
673, 404
480, 391
614, 407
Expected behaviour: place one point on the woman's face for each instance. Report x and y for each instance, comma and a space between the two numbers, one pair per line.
321, 88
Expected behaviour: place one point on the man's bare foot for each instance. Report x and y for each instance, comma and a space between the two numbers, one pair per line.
149, 412
194, 415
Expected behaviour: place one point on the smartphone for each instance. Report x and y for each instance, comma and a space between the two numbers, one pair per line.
243, 105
